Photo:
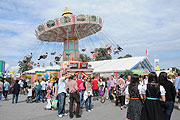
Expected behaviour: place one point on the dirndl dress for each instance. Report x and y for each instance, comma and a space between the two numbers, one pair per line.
152, 109
135, 104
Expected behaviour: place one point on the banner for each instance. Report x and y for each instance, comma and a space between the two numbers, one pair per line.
156, 64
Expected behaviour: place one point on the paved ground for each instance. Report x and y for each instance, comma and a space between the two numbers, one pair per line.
35, 111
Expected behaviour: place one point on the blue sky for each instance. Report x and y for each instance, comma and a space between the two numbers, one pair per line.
136, 25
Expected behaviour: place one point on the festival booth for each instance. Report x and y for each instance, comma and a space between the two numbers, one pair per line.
78, 68
49, 72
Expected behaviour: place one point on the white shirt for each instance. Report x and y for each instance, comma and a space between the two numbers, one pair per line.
43, 85
62, 85
127, 83
102, 83
19, 82
30, 92
171, 80
127, 90
144, 88
145, 81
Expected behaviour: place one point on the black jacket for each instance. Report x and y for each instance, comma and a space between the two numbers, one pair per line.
170, 91
16, 88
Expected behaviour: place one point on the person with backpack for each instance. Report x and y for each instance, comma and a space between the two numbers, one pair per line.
15, 91
38, 90
80, 88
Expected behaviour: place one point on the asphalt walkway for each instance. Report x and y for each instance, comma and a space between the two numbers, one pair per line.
35, 111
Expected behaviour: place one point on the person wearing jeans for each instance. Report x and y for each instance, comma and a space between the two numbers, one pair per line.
6, 89
170, 94
62, 95
43, 90
37, 95
95, 89
38, 90
16, 89
88, 93
15, 95
88, 104
61, 101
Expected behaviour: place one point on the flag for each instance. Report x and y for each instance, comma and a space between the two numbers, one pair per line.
147, 52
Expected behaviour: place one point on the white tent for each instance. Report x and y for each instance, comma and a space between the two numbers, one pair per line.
43, 69
116, 65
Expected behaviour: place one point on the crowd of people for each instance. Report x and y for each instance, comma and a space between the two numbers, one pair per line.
148, 97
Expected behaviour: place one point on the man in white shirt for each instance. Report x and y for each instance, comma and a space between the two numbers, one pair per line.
43, 90
62, 94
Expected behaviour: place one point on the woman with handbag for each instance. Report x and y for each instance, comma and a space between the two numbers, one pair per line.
88, 95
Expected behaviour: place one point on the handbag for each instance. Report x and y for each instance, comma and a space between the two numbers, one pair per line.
54, 103
12, 89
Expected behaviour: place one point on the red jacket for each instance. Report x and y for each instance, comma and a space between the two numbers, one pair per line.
94, 84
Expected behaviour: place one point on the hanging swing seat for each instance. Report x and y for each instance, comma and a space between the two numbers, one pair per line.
53, 53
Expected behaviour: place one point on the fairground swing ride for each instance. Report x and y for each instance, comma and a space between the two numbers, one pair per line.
64, 38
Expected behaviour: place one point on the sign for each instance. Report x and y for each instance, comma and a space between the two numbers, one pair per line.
157, 68
137, 71
73, 66
156, 64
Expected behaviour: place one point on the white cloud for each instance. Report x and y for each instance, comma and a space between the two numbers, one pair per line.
14, 69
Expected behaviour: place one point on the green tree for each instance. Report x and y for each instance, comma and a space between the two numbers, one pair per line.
102, 54
127, 73
126, 56
25, 68
175, 69
25, 65
84, 58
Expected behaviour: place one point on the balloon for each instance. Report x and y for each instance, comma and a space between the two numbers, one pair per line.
46, 76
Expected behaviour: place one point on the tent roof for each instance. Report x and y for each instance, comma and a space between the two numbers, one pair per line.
116, 65
43, 69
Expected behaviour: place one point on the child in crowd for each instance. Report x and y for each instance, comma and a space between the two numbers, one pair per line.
29, 96
48, 97
101, 92
106, 93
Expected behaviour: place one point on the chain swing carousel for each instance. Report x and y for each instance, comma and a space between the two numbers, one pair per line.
73, 32
69, 30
